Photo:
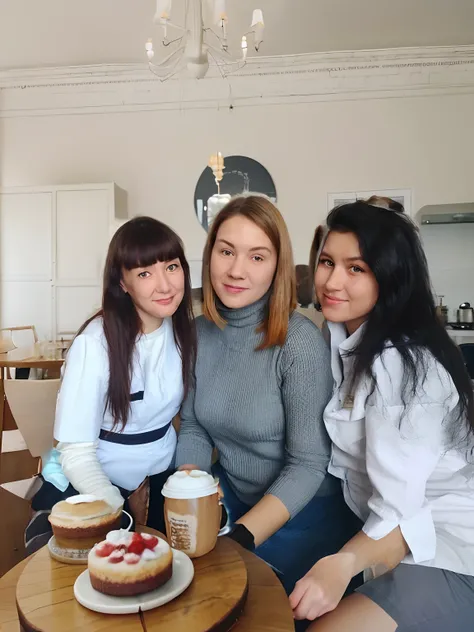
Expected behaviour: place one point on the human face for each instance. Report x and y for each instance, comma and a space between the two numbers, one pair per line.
243, 263
345, 286
156, 291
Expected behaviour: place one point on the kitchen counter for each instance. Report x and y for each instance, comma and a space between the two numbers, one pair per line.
461, 336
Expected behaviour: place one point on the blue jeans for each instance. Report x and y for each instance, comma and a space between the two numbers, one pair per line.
320, 529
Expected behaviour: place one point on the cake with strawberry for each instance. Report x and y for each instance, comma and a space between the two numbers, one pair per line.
126, 564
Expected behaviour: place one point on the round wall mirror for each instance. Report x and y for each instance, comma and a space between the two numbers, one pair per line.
241, 175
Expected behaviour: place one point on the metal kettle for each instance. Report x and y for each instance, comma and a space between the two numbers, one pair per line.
465, 314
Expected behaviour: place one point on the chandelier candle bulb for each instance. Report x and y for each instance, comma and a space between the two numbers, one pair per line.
220, 13
258, 27
163, 11
244, 47
150, 53
257, 17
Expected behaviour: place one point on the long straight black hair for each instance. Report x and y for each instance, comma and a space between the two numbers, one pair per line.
404, 315
139, 243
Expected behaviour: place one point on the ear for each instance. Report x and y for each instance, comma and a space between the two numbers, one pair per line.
122, 285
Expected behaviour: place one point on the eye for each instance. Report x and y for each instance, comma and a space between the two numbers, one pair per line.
356, 269
326, 262
144, 274
257, 258
172, 267
226, 253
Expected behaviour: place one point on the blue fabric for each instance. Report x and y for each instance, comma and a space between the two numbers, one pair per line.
52, 470
320, 529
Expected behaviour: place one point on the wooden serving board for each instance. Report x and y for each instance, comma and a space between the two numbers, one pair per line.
214, 601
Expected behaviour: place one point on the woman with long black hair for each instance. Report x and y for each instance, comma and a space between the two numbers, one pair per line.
125, 375
401, 421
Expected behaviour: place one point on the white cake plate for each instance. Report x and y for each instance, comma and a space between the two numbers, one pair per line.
183, 573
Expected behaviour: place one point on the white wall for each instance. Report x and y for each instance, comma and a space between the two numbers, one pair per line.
424, 144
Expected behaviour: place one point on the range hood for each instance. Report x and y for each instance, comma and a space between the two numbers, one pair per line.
447, 218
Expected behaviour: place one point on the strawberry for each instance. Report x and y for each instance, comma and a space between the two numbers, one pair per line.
115, 557
137, 545
131, 558
150, 542
104, 549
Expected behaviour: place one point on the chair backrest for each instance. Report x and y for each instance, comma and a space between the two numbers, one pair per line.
9, 339
33, 405
467, 350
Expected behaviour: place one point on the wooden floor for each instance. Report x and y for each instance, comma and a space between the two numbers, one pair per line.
14, 516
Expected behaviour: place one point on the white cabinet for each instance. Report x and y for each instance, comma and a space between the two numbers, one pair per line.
26, 230
53, 243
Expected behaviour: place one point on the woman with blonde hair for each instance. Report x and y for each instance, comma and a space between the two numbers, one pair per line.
261, 384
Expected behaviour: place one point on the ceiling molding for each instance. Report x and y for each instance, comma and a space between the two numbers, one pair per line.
263, 81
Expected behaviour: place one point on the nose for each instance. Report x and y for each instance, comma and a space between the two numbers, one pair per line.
335, 280
237, 269
162, 285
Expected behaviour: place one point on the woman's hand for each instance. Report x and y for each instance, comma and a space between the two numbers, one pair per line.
112, 497
323, 587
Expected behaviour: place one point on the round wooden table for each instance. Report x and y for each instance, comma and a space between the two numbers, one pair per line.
266, 609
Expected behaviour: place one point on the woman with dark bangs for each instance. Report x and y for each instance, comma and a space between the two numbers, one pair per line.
125, 375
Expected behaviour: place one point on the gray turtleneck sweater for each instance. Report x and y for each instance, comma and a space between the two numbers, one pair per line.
262, 410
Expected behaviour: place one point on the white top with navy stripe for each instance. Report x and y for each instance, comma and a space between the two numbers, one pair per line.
156, 395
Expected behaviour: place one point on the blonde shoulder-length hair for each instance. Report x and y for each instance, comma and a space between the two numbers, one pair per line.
262, 212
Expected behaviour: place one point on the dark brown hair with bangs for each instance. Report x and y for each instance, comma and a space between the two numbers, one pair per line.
282, 302
139, 243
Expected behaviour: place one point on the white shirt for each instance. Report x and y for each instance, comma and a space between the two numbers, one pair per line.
81, 414
396, 464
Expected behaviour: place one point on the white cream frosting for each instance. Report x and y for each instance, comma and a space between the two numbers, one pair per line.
120, 536
81, 498
190, 484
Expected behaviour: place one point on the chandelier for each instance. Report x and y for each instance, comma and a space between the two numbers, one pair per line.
197, 44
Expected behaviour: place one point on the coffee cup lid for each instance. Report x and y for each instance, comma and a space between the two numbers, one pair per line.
190, 484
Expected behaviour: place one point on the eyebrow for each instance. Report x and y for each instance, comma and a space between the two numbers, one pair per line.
326, 254
228, 243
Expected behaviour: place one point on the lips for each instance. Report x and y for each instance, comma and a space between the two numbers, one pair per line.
333, 300
164, 301
234, 289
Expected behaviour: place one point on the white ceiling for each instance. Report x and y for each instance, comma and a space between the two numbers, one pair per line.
36, 33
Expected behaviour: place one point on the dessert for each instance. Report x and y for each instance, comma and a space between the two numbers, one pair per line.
127, 563
81, 521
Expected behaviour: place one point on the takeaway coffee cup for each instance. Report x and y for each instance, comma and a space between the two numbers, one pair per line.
192, 511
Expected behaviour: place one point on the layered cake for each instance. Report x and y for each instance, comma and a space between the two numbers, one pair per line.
126, 564
81, 521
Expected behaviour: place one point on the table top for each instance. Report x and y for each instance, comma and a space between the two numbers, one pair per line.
41, 355
266, 610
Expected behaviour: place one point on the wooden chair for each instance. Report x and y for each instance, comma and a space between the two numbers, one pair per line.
32, 404
14, 337
7, 342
